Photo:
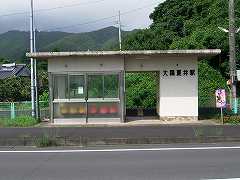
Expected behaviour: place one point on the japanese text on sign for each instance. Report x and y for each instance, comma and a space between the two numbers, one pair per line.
179, 72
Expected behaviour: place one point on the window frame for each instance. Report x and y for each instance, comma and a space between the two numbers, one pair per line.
85, 74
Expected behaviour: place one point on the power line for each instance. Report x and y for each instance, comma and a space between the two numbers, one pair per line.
51, 9
101, 19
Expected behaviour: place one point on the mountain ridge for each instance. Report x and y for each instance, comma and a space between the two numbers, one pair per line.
14, 44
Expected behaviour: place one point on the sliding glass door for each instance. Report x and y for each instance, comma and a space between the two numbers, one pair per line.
103, 96
86, 97
72, 105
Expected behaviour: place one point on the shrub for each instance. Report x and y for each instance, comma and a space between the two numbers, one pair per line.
46, 141
1, 123
234, 120
141, 90
44, 96
209, 81
15, 89
24, 121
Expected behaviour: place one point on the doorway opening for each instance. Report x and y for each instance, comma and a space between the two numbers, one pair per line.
142, 95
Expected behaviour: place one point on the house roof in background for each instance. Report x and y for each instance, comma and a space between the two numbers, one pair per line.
199, 53
11, 70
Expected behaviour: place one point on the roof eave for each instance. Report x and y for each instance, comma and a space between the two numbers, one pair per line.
200, 53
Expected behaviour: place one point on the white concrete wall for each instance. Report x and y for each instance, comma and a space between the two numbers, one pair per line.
77, 64
178, 94
144, 63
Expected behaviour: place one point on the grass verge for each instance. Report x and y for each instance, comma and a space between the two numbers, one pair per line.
46, 141
24, 121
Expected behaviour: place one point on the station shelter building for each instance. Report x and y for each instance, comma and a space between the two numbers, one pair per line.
89, 86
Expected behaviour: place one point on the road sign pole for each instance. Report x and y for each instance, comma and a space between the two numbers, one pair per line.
222, 115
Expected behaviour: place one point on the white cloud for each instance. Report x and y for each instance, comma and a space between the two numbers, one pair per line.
84, 11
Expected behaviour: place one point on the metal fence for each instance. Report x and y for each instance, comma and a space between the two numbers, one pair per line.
17, 109
207, 109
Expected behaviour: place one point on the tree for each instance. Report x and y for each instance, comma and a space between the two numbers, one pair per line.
187, 24
4, 61
15, 89
141, 90
209, 81
190, 24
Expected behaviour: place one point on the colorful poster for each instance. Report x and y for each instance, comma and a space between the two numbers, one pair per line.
221, 98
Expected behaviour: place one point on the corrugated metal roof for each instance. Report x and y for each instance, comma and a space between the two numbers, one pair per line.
17, 70
197, 52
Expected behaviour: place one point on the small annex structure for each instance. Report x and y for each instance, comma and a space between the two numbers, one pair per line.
89, 86
14, 70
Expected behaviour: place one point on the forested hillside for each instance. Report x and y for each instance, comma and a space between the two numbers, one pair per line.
14, 44
188, 24
185, 24
191, 24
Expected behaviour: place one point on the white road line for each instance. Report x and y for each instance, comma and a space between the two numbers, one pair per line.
224, 179
124, 150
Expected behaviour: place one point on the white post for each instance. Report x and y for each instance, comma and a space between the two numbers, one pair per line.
32, 62
119, 31
222, 115
35, 78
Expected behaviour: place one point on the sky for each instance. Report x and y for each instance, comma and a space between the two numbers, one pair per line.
75, 15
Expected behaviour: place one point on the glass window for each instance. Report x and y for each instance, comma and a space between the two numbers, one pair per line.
73, 86
60, 86
95, 86
77, 86
70, 110
111, 86
104, 110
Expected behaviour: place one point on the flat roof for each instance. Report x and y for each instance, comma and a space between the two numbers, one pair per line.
197, 52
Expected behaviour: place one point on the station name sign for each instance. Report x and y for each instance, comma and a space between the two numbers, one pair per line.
179, 73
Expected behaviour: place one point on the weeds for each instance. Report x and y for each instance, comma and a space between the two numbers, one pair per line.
234, 120
45, 141
24, 121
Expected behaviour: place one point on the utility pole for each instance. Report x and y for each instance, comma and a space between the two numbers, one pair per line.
35, 79
119, 30
232, 55
32, 62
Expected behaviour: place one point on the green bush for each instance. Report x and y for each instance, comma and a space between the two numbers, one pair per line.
24, 121
44, 96
1, 123
234, 120
209, 81
15, 89
46, 141
141, 90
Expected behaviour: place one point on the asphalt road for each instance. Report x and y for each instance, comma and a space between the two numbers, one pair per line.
173, 162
